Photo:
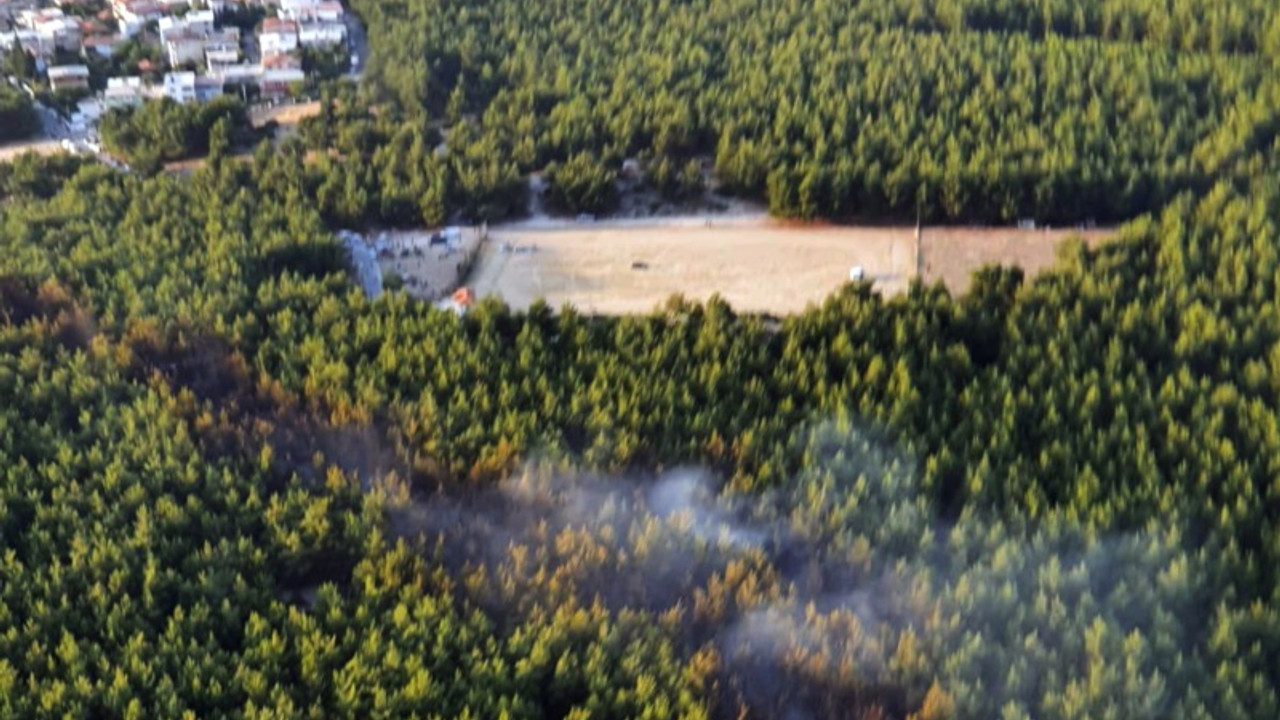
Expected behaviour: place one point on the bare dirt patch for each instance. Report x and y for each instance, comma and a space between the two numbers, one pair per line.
40, 147
430, 272
287, 114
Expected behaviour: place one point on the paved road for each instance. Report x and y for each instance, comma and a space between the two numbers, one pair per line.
357, 43
51, 124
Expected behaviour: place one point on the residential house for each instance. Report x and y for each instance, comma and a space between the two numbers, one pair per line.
276, 84
193, 23
101, 45
133, 15
236, 74
281, 62
329, 11
180, 86
311, 10
298, 10
31, 43
278, 36
183, 48
320, 34
207, 88
123, 92
222, 48
68, 77
192, 47
54, 29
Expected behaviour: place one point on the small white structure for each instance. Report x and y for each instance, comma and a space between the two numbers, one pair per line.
857, 273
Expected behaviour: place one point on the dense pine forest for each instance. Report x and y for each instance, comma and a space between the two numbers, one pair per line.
965, 110
233, 487
163, 131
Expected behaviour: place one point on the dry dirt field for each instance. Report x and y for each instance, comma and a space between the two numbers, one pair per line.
951, 254
758, 265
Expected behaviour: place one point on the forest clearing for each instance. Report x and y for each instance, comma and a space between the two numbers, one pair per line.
757, 264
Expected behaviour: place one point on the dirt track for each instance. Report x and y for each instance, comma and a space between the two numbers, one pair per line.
42, 147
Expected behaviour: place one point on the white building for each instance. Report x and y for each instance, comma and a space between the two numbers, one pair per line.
180, 86
320, 34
